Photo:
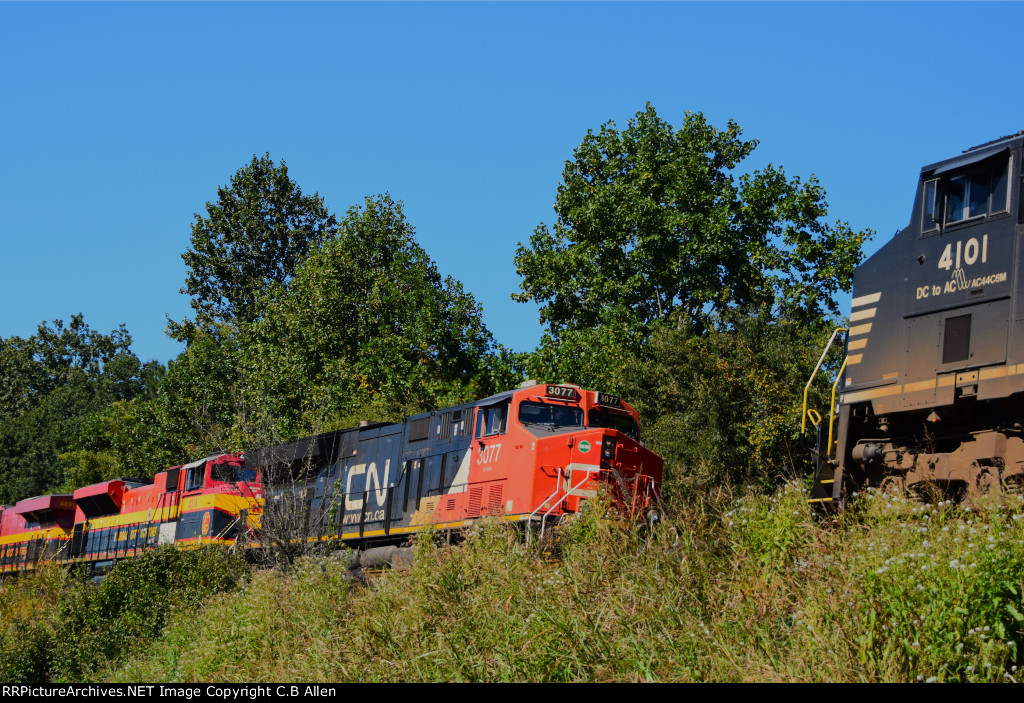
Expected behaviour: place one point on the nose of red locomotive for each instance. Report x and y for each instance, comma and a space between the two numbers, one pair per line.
628, 471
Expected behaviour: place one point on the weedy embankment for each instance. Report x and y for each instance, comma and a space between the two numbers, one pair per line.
745, 589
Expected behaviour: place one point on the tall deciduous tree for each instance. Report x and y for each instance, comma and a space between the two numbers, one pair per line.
254, 235
653, 220
368, 317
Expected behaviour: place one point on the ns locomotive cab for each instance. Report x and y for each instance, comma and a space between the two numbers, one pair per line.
931, 391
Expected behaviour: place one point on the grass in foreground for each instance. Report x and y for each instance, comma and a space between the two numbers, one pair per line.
752, 589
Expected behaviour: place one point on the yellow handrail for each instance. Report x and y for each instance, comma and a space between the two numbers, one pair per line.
807, 388
832, 407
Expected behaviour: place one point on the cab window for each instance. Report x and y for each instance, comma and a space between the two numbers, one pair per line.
929, 223
492, 420
613, 421
550, 414
970, 195
232, 473
195, 477
223, 472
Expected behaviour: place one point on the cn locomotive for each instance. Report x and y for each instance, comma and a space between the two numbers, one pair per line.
931, 390
532, 455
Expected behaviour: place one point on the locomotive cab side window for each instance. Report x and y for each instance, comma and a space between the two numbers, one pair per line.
492, 420
195, 477
930, 221
966, 196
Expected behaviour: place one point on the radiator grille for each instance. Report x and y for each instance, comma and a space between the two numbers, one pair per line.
445, 431
956, 344
419, 429
476, 496
494, 499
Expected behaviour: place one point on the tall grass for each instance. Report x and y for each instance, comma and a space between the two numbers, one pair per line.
744, 589
749, 588
57, 626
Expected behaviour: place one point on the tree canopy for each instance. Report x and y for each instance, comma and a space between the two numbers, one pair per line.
254, 235
368, 316
51, 385
652, 222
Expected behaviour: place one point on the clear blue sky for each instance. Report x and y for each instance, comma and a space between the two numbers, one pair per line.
119, 121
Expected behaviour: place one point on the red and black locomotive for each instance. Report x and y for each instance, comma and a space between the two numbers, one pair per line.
531, 455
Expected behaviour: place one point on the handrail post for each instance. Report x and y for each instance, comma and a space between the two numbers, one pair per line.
832, 407
529, 520
543, 520
807, 388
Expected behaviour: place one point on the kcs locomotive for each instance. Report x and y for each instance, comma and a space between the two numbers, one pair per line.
931, 391
532, 455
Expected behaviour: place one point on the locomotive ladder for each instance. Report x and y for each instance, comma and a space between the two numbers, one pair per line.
826, 473
560, 485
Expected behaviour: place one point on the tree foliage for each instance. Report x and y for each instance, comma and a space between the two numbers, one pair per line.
653, 221
724, 404
51, 385
367, 317
255, 234
700, 293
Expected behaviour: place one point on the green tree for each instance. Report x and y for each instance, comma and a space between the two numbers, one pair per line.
189, 412
699, 292
653, 221
724, 404
368, 320
253, 236
51, 384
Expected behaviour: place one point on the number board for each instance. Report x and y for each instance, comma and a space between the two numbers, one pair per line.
561, 392
609, 399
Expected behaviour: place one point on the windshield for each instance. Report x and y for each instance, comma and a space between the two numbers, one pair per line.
231, 473
549, 414
614, 421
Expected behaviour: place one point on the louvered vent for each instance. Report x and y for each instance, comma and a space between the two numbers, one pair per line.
446, 426
956, 344
450, 505
476, 497
494, 499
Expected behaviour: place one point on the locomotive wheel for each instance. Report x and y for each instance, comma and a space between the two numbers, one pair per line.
1014, 485
986, 485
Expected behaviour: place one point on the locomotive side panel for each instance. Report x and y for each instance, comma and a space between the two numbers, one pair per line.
935, 348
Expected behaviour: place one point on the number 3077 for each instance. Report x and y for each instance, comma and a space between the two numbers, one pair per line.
488, 454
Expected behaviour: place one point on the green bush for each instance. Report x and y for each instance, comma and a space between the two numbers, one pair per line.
58, 626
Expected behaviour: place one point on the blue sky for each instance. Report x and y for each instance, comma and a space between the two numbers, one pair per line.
119, 121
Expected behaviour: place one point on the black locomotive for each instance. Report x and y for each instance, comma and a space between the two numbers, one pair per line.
931, 391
